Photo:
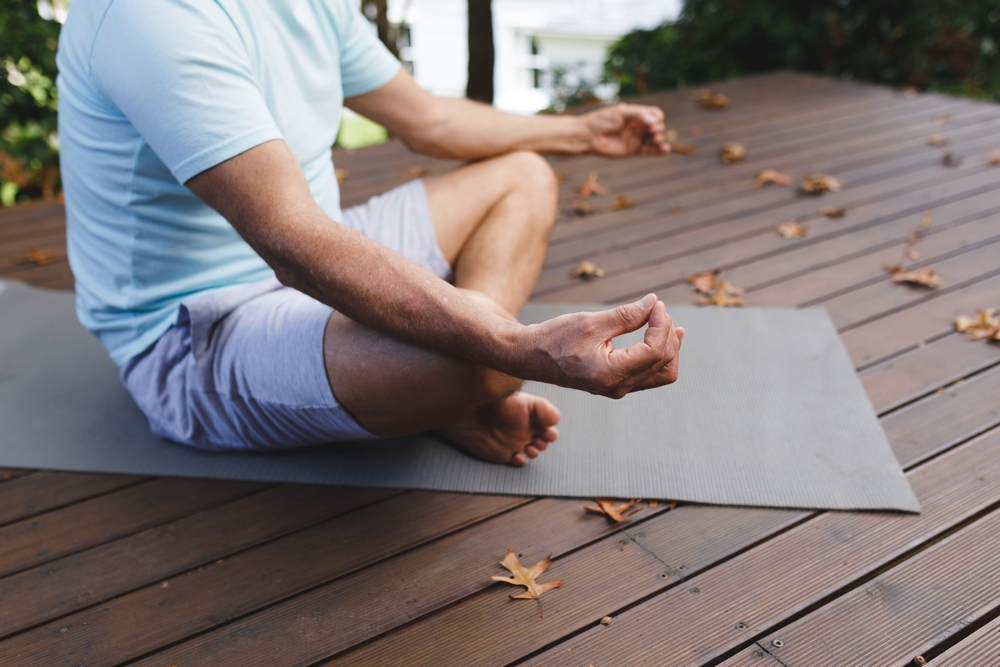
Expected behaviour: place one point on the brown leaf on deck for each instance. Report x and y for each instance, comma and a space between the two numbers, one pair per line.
985, 325
925, 222
586, 270
941, 118
910, 92
416, 172
937, 140
682, 149
792, 230
949, 159
40, 257
342, 174
675, 210
772, 176
922, 276
621, 202
561, 176
817, 184
592, 187
526, 576
718, 292
994, 157
670, 135
911, 254
712, 101
726, 296
703, 282
609, 509
731, 152
833, 212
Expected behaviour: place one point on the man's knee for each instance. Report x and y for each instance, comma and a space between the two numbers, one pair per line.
532, 171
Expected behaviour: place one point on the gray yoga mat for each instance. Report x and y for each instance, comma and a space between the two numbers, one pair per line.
768, 412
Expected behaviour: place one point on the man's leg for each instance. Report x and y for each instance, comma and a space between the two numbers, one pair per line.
492, 221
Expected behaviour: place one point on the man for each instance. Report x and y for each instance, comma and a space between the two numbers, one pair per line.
246, 310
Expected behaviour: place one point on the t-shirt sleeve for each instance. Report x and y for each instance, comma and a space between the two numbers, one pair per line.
365, 63
212, 109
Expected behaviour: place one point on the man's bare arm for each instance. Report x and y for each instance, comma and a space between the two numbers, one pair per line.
265, 196
458, 128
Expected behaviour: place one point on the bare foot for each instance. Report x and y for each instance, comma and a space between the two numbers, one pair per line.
510, 430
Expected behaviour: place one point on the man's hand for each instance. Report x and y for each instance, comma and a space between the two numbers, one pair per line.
580, 353
627, 129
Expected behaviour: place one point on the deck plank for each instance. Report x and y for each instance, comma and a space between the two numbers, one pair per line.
981, 649
130, 626
904, 612
86, 578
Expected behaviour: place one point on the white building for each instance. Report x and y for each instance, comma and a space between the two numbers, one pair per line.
531, 38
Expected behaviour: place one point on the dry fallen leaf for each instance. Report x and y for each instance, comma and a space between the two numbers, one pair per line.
609, 509
561, 176
712, 101
670, 135
620, 202
703, 282
949, 159
675, 210
342, 174
732, 152
682, 149
652, 504
911, 254
910, 93
817, 184
924, 223
985, 325
580, 208
792, 230
772, 176
937, 140
526, 576
592, 187
586, 270
723, 298
40, 257
941, 118
416, 172
994, 157
605, 620
833, 212
922, 276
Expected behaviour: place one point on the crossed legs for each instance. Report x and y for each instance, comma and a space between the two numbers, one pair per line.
492, 220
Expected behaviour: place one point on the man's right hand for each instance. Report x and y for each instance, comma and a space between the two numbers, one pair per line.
577, 350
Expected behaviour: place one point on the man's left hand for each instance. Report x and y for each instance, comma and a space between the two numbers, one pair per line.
627, 129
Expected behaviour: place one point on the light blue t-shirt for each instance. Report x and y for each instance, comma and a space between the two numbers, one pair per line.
153, 92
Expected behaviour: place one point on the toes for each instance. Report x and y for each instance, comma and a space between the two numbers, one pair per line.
540, 444
519, 459
531, 451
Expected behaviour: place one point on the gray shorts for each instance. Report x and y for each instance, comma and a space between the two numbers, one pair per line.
243, 368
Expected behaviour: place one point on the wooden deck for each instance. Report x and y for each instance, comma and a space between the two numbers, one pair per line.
112, 570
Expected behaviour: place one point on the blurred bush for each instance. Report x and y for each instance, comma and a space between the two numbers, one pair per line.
29, 145
941, 45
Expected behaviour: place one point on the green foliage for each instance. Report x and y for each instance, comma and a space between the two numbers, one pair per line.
942, 45
29, 145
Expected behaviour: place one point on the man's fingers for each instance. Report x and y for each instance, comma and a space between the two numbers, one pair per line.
627, 318
658, 333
